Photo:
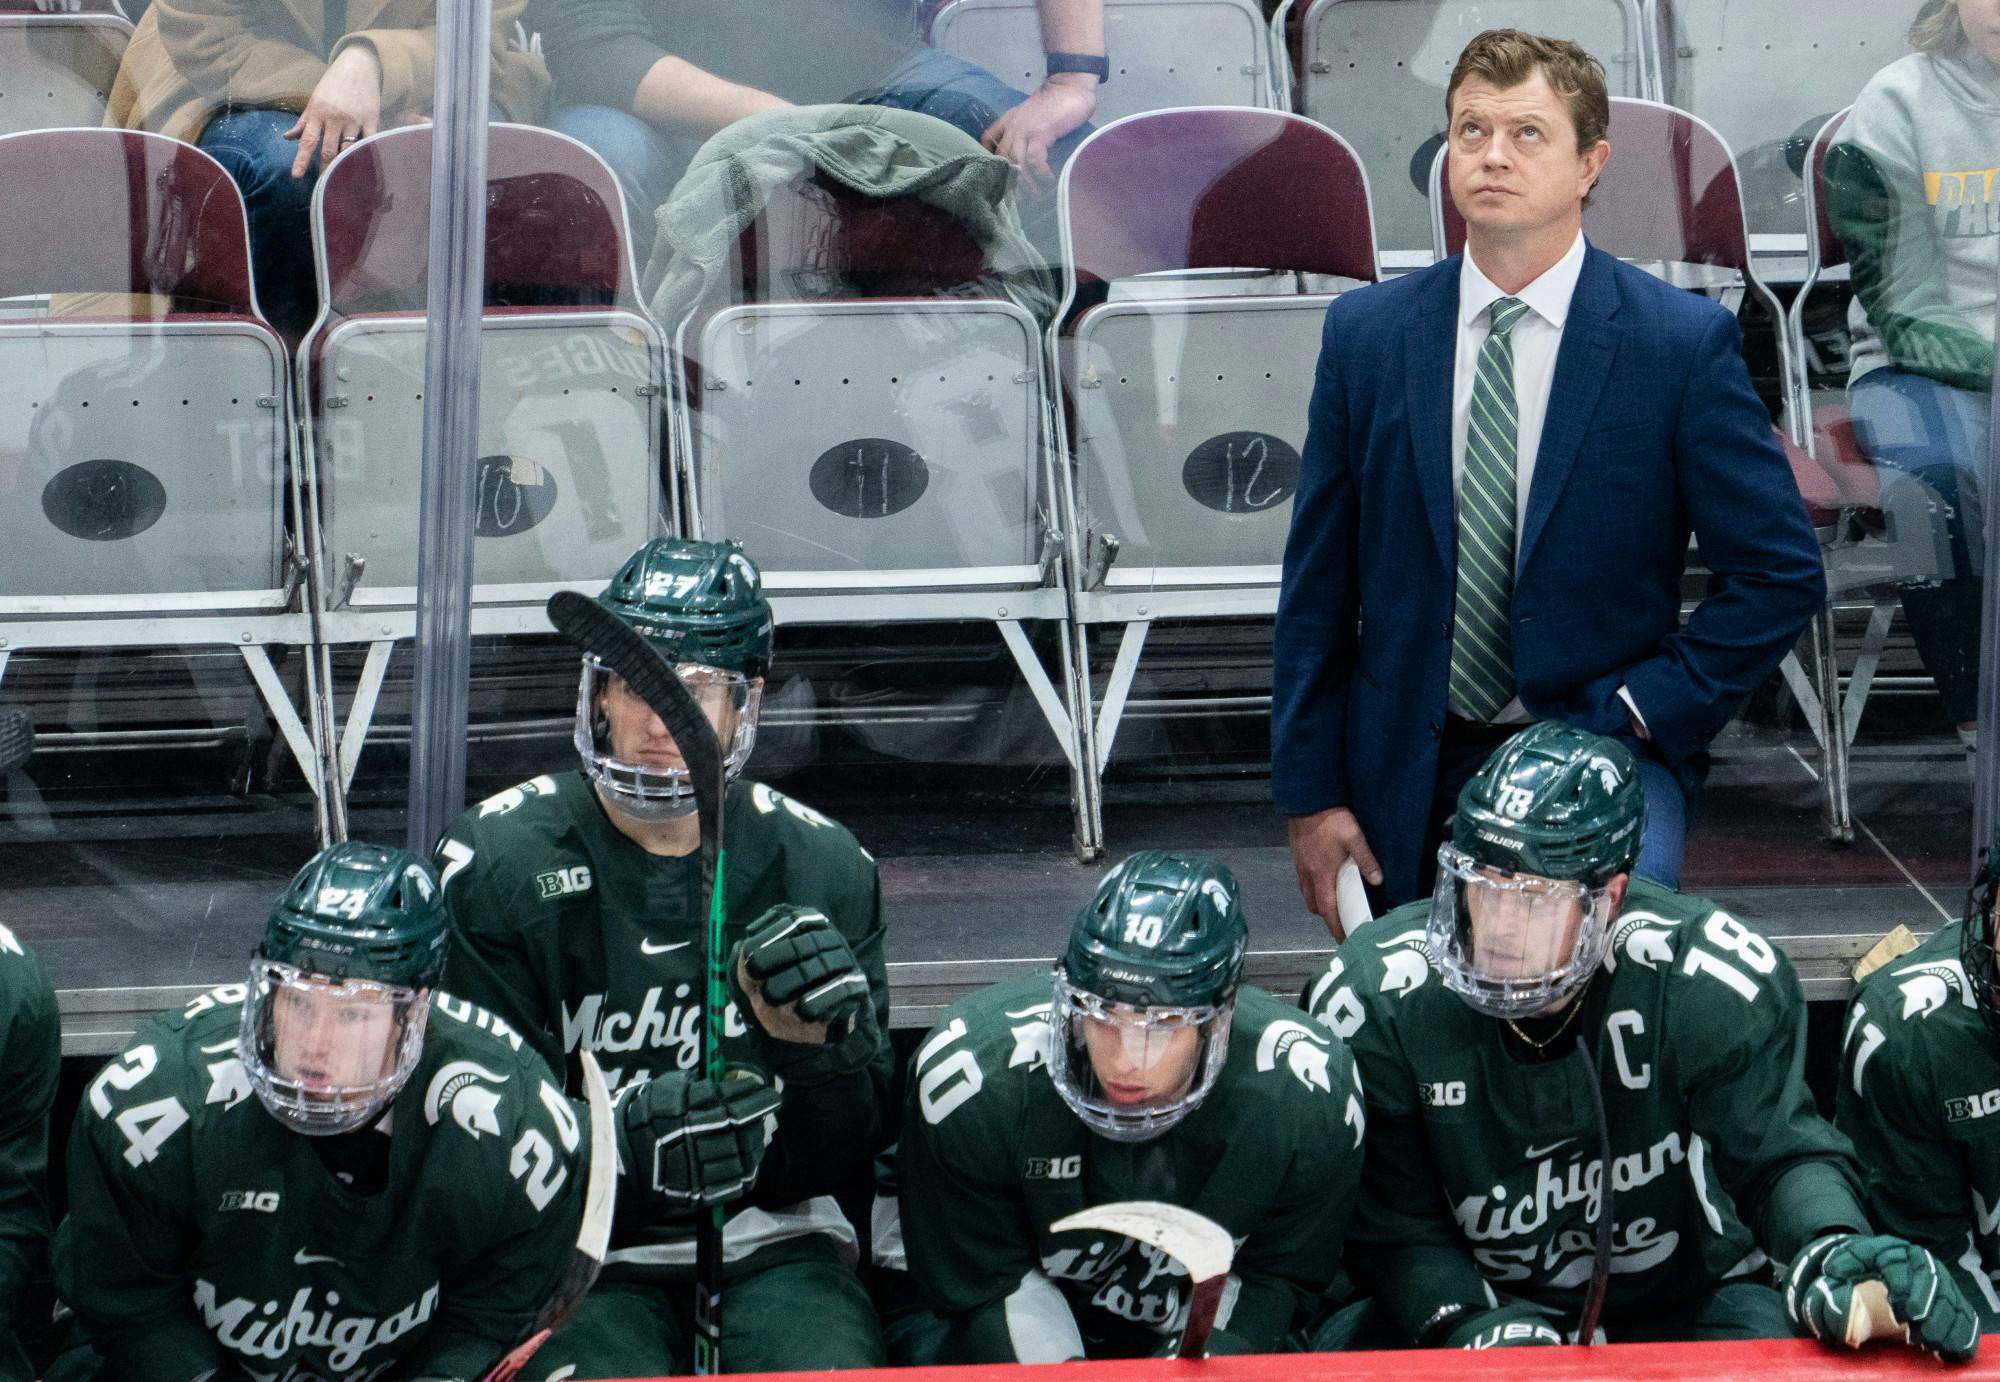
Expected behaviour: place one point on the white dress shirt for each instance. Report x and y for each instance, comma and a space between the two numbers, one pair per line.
1537, 336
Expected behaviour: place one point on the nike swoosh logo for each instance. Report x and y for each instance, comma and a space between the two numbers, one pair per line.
1535, 1153
306, 1259
648, 948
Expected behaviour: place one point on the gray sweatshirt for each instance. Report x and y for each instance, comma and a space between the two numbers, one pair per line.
1913, 191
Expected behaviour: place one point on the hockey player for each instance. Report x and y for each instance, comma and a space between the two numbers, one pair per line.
580, 918
30, 1060
1920, 1094
332, 1171
1585, 1089
1144, 1072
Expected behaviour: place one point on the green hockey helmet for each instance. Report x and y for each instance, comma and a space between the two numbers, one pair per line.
702, 606
1523, 903
334, 1014
1145, 992
697, 601
1977, 954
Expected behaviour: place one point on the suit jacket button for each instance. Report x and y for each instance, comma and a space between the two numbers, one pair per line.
1436, 729
1444, 630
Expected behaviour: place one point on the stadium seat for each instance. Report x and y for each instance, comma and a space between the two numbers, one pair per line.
866, 410
570, 479
1376, 70
57, 62
1669, 201
1184, 403
1163, 52
1881, 539
143, 460
1766, 76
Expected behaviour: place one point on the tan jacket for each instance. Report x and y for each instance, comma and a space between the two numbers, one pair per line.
191, 58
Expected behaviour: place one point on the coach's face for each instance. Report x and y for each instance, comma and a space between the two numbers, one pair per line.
1981, 19
1514, 168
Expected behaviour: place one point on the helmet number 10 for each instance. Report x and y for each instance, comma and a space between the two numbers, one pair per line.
1141, 929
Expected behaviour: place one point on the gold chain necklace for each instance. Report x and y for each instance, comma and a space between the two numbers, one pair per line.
1553, 1037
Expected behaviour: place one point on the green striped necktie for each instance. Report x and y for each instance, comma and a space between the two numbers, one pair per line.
1482, 639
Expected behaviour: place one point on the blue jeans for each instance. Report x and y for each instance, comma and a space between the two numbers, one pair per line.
649, 160
251, 147
1934, 436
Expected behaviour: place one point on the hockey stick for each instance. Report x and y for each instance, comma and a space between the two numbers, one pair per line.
1202, 1247
625, 652
592, 1239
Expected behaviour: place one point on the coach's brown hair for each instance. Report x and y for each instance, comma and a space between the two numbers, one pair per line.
1508, 57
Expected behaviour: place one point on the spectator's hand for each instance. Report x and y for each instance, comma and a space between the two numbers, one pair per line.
1321, 843
1023, 135
345, 106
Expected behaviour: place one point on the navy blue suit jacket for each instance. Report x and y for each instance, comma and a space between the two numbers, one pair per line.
1652, 431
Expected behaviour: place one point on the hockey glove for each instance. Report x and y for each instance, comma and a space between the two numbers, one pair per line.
796, 973
698, 1142
1930, 1312
1511, 1326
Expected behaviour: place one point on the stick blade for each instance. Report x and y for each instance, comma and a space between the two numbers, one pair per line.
1202, 1246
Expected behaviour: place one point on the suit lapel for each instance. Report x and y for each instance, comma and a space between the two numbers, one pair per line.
1583, 365
1430, 344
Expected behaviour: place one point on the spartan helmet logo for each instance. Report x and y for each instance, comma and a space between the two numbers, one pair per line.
1650, 946
1930, 986
1407, 966
1305, 1053
465, 1088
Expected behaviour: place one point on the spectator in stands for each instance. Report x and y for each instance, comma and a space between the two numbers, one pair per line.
644, 84
1595, 414
274, 89
1922, 235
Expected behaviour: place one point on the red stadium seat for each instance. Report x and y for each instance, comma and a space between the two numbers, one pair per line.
1670, 201
142, 456
1184, 401
571, 478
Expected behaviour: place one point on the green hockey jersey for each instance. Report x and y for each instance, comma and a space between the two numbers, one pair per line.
1920, 1096
990, 1156
202, 1231
583, 940
30, 1061
1484, 1168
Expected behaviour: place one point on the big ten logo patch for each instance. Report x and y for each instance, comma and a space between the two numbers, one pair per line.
564, 882
1972, 1106
1442, 1094
256, 1201
1052, 1167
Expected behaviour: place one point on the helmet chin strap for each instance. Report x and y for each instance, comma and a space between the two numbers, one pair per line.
646, 810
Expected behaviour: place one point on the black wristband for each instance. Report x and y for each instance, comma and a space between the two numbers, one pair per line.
1095, 64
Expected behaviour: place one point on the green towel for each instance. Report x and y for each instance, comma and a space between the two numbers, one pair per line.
875, 150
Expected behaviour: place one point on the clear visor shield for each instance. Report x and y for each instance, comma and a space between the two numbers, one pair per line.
1131, 1073
628, 752
1514, 944
325, 1056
